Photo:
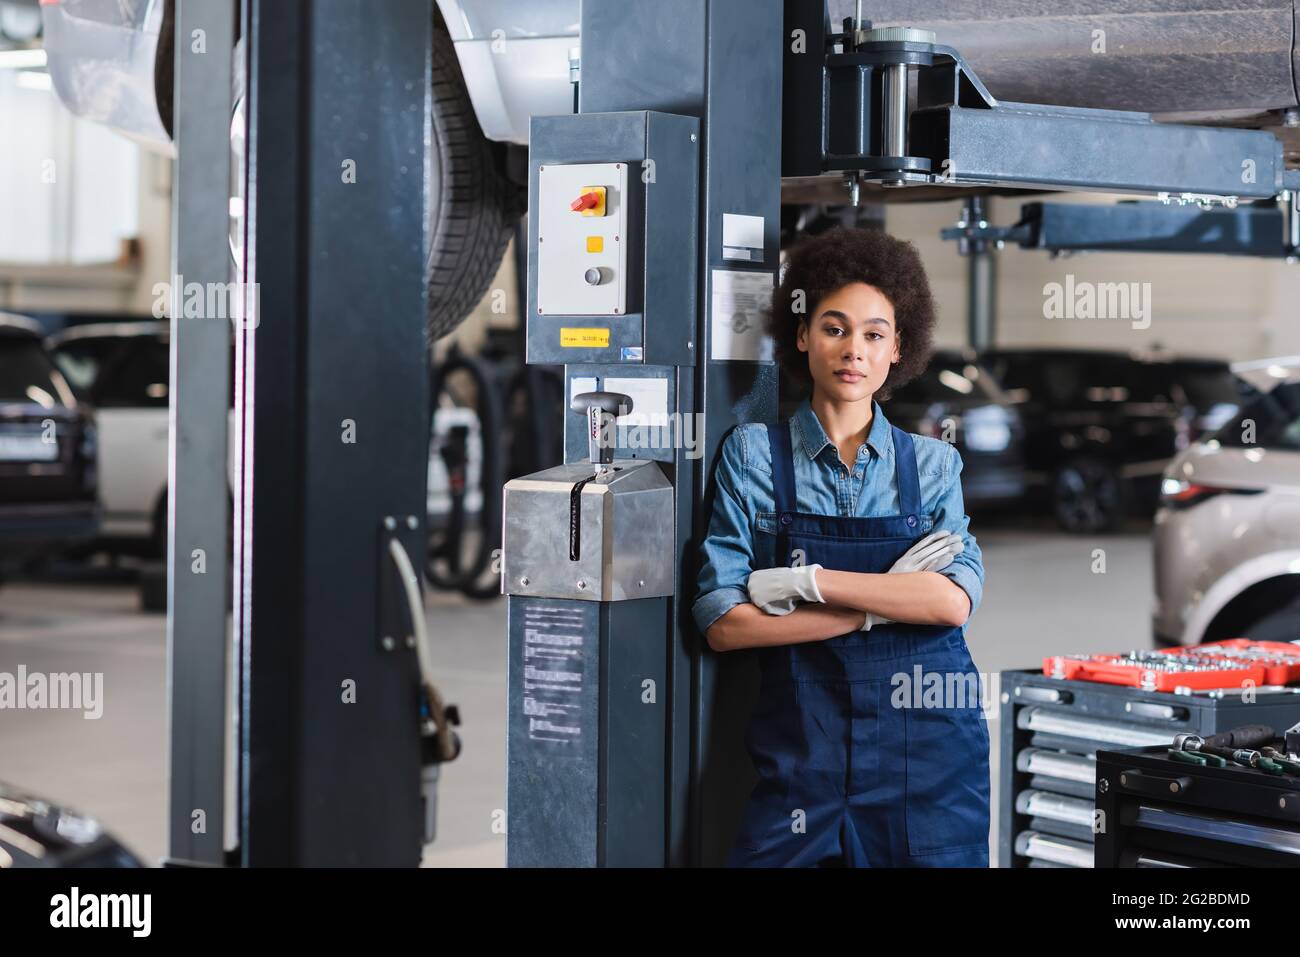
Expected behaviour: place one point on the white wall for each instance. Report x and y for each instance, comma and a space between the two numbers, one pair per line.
68, 188
72, 193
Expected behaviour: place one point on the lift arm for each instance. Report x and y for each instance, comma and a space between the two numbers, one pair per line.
1262, 228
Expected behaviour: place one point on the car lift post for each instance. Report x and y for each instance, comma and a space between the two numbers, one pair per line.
600, 771
198, 509
981, 279
332, 383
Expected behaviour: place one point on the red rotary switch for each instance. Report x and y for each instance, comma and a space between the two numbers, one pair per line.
589, 200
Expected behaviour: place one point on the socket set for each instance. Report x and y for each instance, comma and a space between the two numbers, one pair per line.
1235, 663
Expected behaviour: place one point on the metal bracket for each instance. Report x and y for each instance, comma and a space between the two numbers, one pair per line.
394, 628
854, 111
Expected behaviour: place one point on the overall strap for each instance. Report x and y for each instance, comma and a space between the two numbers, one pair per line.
778, 438
909, 483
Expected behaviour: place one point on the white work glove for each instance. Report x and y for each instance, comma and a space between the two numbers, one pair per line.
930, 554
778, 590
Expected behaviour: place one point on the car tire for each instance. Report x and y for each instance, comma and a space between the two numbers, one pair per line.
153, 587
157, 548
1088, 496
164, 68
473, 204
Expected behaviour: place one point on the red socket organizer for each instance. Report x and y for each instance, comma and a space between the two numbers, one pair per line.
1220, 664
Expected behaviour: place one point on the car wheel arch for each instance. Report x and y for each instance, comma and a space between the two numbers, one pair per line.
1250, 577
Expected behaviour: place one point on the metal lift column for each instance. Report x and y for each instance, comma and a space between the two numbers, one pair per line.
333, 430
198, 519
653, 250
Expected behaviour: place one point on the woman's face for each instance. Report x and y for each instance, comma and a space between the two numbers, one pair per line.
851, 342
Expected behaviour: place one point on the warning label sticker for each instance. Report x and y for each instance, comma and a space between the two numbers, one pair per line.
584, 338
553, 673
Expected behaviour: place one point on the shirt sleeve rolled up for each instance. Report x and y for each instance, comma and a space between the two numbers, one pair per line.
967, 569
728, 550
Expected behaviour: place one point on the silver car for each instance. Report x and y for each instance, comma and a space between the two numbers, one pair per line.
1227, 533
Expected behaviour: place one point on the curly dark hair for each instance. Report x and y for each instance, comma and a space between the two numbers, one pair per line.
832, 260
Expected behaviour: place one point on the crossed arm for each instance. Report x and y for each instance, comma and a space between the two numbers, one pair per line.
922, 598
918, 597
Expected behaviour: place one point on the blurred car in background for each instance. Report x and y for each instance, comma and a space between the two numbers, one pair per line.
1100, 426
1206, 390
122, 369
48, 452
958, 400
1227, 533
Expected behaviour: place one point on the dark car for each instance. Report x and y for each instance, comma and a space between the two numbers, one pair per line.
1100, 426
1207, 392
48, 452
958, 400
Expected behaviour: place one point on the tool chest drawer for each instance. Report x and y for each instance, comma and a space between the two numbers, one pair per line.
1156, 812
1051, 730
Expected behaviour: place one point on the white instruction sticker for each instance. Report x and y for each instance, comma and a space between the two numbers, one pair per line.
742, 231
738, 313
581, 384
649, 400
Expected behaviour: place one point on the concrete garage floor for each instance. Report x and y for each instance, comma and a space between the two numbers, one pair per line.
1041, 597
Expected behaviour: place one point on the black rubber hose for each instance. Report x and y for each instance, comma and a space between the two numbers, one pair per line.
488, 407
492, 480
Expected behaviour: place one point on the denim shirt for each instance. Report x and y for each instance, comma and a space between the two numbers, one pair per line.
742, 531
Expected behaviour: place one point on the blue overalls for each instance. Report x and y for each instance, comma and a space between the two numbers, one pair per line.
847, 776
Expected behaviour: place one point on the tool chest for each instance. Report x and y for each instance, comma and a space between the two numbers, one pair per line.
1052, 728
1158, 812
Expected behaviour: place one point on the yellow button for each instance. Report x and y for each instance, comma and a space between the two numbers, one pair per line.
595, 244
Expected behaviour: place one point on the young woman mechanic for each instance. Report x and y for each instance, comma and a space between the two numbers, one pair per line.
839, 548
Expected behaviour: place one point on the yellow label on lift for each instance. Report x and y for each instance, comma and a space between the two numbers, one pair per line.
584, 338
